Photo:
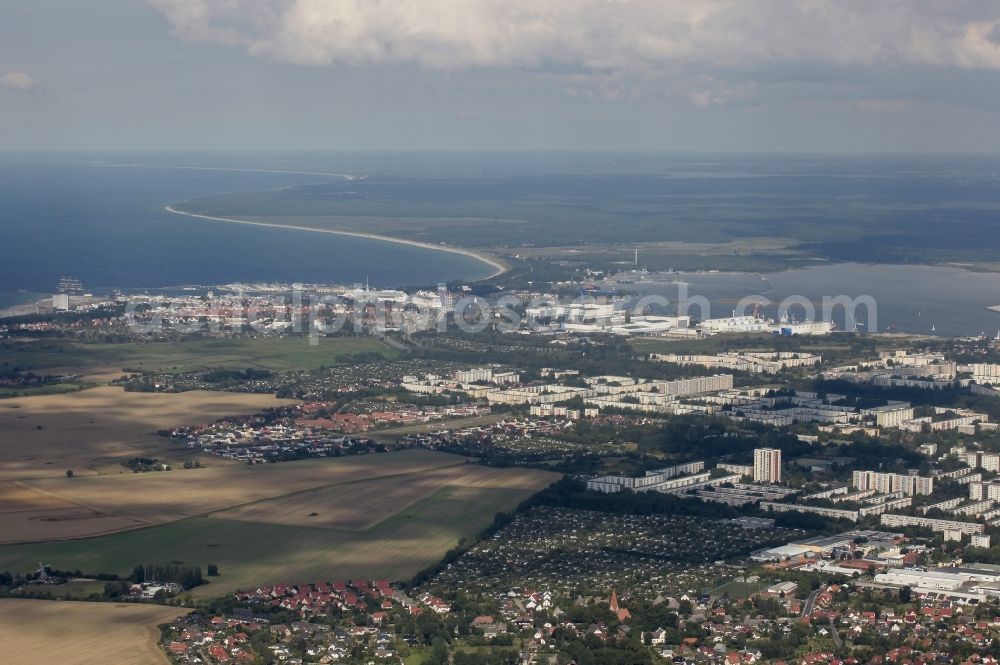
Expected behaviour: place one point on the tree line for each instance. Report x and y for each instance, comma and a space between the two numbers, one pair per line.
186, 576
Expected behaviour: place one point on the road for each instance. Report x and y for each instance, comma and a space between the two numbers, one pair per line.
835, 634
810, 603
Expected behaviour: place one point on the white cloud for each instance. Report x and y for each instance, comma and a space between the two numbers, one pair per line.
629, 35
18, 81
704, 53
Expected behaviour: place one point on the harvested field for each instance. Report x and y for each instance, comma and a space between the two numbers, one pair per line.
95, 505
43, 436
250, 553
71, 633
16, 497
351, 507
30, 514
28, 526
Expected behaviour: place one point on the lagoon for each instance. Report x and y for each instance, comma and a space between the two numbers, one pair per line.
917, 299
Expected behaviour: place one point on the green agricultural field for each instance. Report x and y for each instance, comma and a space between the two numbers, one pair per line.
420, 655
74, 590
251, 553
51, 389
737, 589
270, 353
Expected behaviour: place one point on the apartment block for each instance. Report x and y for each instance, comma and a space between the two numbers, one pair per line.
887, 483
767, 465
984, 491
695, 385
981, 460
894, 519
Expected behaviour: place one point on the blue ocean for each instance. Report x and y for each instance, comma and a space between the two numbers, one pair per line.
101, 219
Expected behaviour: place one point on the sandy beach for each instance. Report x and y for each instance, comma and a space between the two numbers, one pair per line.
498, 265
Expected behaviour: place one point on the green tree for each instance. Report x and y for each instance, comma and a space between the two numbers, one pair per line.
439, 652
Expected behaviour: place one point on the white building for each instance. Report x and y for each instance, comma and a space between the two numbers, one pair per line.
804, 328
980, 540
892, 416
734, 324
969, 528
60, 302
473, 375
947, 504
985, 373
695, 385
937, 580
944, 419
650, 326
981, 491
887, 483
506, 378
590, 313
668, 478
742, 469
766, 465
836, 513
975, 509
981, 460
742, 361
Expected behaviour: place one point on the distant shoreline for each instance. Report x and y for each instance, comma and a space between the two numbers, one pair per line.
499, 266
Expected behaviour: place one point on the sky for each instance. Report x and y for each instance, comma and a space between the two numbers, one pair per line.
712, 75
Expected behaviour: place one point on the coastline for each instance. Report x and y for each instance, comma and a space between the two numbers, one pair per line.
499, 265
